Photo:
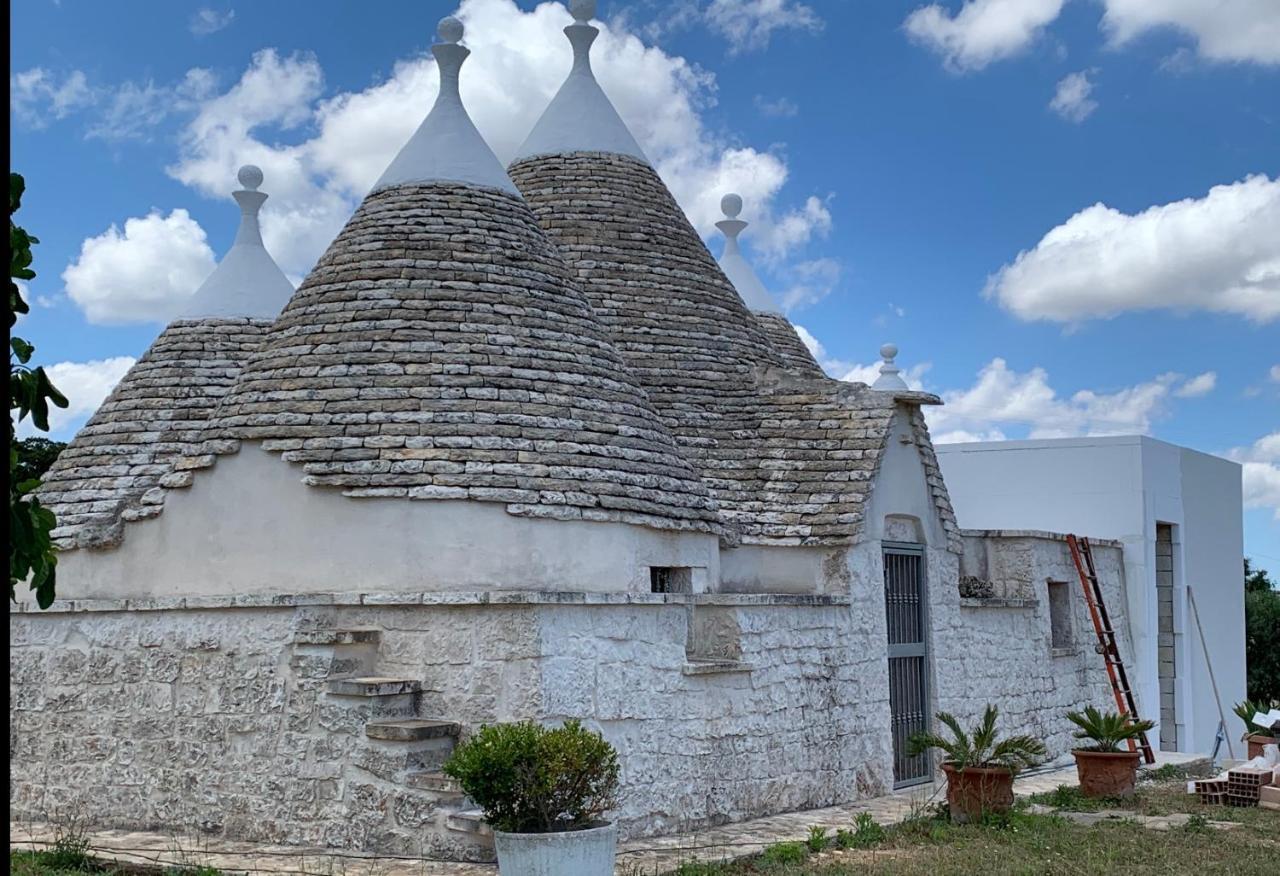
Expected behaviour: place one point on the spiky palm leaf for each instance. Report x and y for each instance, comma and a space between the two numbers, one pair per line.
1106, 730
979, 748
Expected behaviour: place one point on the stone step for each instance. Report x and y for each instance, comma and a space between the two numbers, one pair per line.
373, 686
434, 781
468, 821
411, 730
338, 638
395, 761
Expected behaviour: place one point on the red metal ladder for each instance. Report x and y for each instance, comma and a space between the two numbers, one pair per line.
1083, 557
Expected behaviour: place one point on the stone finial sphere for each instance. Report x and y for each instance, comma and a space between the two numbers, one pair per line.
888, 351
731, 205
450, 29
250, 177
582, 10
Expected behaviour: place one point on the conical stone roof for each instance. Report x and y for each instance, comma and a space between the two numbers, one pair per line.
247, 282
140, 441
789, 455
777, 328
440, 349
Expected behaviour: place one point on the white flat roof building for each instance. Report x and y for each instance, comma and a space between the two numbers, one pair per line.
1178, 513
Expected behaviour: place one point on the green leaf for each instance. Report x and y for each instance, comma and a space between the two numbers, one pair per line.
21, 349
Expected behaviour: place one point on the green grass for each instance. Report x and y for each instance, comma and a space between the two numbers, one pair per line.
1021, 843
72, 859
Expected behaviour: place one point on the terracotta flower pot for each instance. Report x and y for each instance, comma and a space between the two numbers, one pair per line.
1107, 773
1257, 741
973, 791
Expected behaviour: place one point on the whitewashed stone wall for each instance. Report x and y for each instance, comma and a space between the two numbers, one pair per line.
215, 718
999, 650
211, 713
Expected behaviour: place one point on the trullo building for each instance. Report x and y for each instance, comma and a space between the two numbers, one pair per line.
517, 447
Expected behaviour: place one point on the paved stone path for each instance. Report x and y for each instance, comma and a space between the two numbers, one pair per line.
638, 857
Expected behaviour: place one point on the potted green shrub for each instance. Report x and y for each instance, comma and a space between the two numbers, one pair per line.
1255, 735
979, 767
544, 791
1105, 769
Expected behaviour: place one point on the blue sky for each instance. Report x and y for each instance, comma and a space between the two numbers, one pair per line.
895, 159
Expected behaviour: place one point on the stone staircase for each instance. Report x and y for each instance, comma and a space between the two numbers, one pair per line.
396, 749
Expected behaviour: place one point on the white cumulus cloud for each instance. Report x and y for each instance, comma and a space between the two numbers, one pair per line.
982, 31
1219, 253
748, 25
1260, 463
1002, 399
1072, 100
85, 384
1200, 385
206, 21
518, 61
143, 273
35, 95
1224, 30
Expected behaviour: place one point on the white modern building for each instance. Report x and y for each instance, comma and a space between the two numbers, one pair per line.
1177, 511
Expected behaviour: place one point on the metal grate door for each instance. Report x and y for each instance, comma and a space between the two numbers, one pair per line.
906, 612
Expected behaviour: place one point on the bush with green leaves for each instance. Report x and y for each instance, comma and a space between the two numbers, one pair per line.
818, 839
865, 834
32, 555
981, 747
528, 778
784, 853
1107, 731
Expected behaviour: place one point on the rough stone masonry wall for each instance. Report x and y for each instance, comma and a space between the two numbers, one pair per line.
1000, 650
170, 716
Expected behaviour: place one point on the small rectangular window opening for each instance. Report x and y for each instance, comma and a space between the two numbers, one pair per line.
670, 579
1060, 615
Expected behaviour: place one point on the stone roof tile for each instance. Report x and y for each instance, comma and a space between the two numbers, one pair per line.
441, 350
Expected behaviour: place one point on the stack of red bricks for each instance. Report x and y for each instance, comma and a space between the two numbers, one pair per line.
1213, 792
1245, 784
1269, 795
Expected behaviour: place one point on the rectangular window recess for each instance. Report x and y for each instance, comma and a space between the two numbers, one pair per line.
670, 579
1062, 638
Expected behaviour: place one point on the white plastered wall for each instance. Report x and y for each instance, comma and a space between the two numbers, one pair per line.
249, 525
900, 509
1120, 488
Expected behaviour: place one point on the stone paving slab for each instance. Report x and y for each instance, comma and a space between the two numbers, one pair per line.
638, 857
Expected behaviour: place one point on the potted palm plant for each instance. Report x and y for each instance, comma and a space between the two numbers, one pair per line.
979, 767
1255, 735
544, 791
1104, 768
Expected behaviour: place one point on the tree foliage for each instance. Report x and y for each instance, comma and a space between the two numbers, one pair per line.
32, 556
36, 455
1261, 636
